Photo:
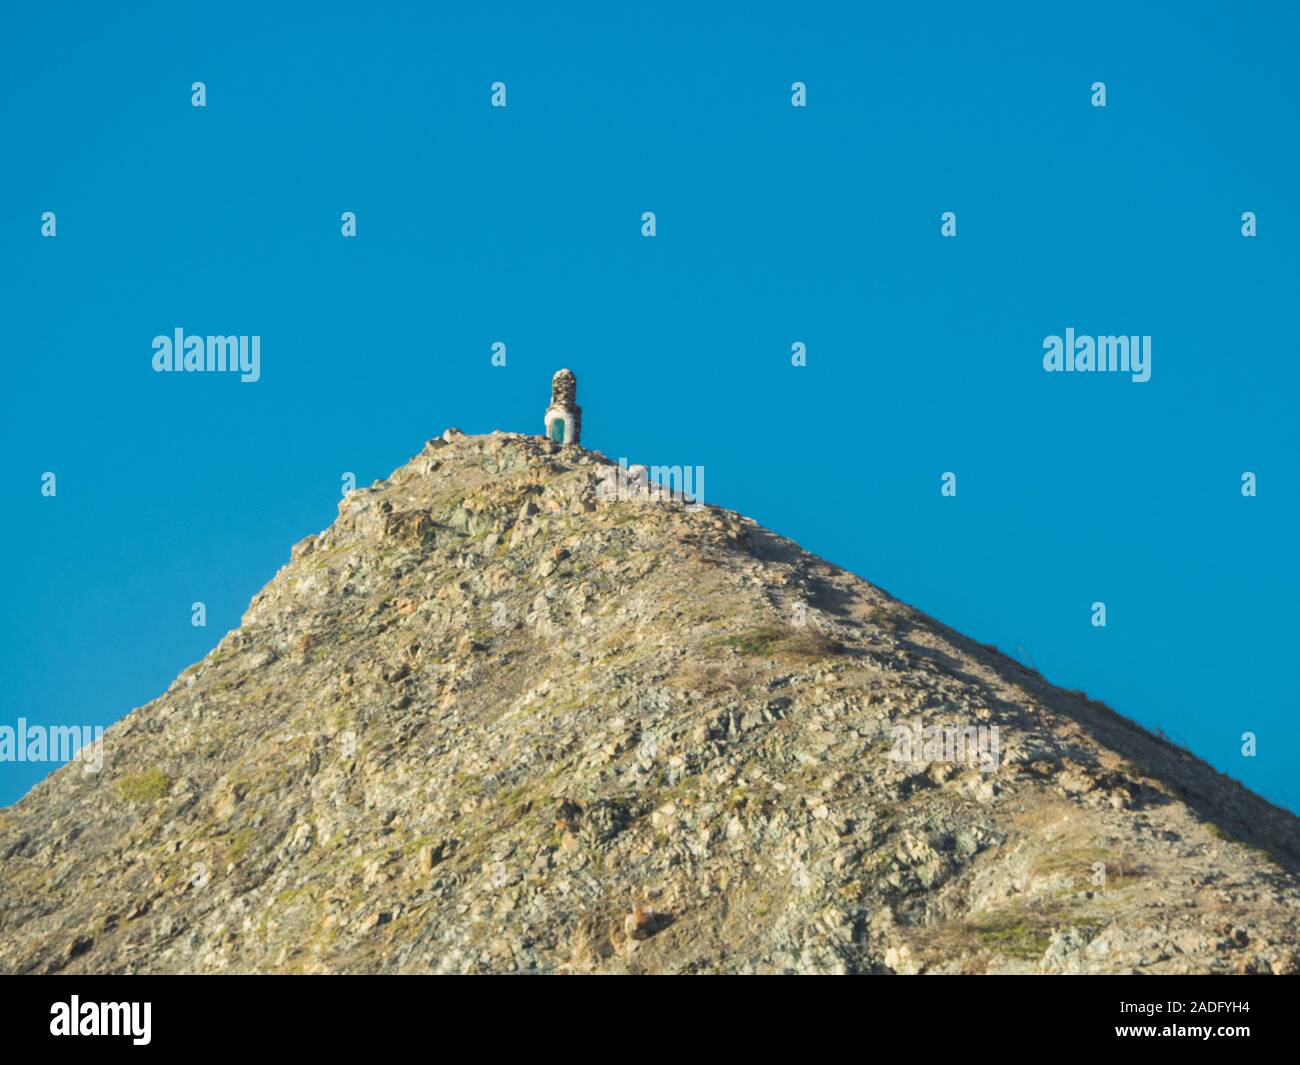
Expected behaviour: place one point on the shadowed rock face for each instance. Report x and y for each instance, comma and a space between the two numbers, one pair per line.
490, 721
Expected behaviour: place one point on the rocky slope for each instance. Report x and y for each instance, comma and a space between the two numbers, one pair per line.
493, 721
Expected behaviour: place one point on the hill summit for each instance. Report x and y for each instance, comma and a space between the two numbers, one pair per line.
500, 718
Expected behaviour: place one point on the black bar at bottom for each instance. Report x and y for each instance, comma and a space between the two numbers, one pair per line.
333, 1014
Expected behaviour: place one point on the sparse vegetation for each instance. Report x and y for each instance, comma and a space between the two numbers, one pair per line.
1019, 937
146, 787
768, 641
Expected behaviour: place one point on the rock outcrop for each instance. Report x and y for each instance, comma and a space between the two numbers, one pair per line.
493, 720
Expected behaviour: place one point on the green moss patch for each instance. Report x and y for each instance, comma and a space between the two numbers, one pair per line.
149, 786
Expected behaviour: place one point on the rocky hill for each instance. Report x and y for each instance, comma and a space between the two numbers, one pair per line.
494, 720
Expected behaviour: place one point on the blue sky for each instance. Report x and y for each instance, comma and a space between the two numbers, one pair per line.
775, 224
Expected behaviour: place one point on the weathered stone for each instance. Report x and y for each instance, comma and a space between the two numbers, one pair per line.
480, 724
